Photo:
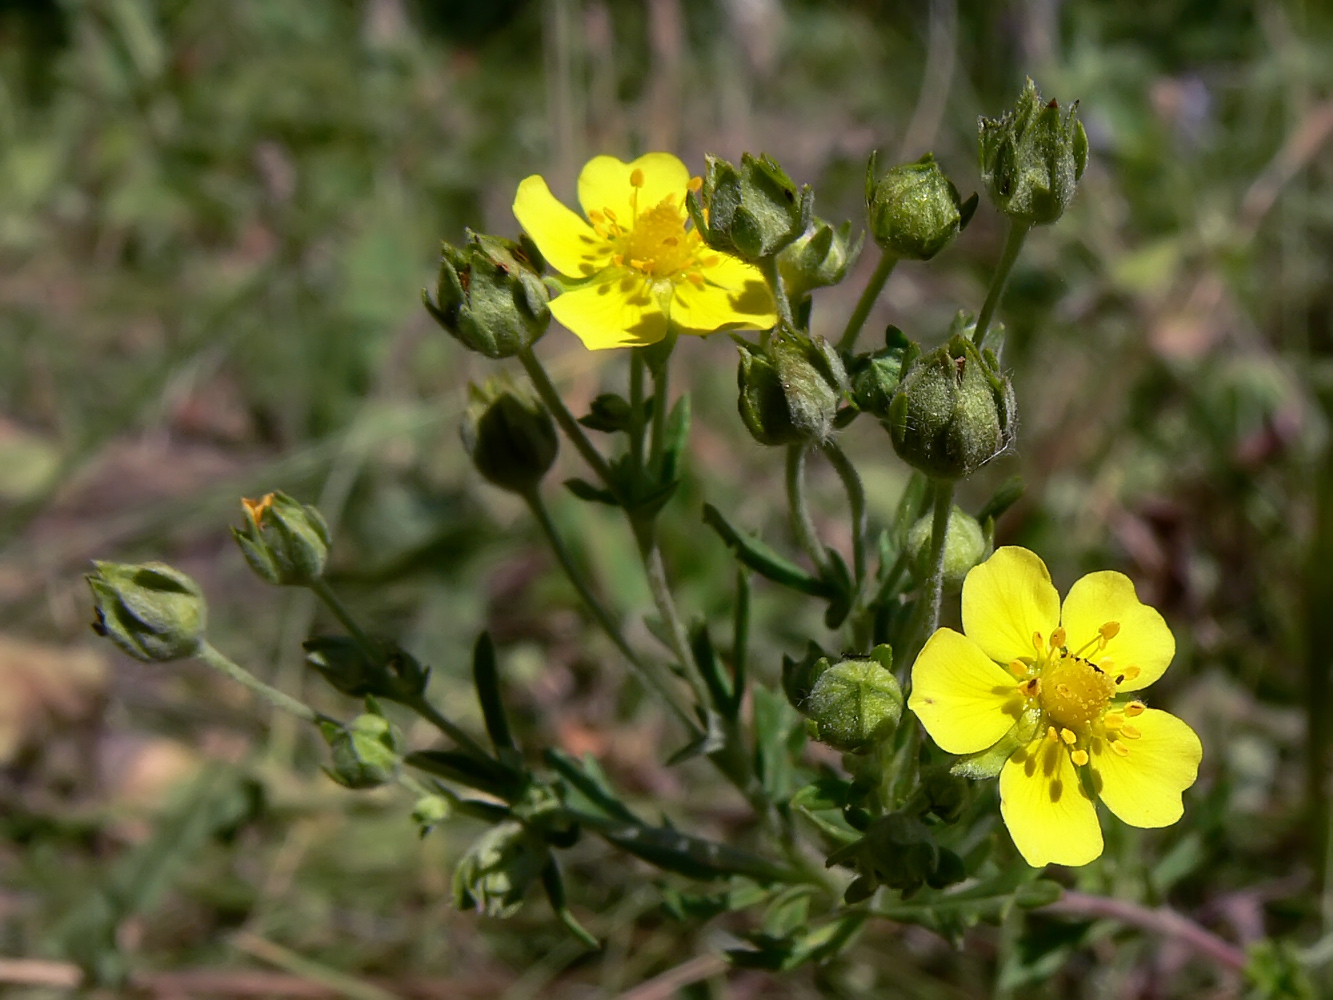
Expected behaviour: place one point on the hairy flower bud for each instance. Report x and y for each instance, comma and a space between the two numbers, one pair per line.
151, 611
857, 703
751, 212
510, 435
285, 542
818, 259
1032, 158
915, 211
495, 872
953, 411
490, 295
790, 391
874, 377
364, 753
964, 547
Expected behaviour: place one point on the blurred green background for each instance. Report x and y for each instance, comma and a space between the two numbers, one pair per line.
215, 220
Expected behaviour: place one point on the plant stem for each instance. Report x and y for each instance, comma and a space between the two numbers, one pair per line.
1018, 232
769, 266
542, 383
867, 300
636, 367
284, 702
655, 572
599, 612
856, 497
939, 527
801, 524
661, 387
451, 729
325, 593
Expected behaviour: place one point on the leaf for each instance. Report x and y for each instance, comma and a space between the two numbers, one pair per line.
555, 892
711, 740
587, 777
483, 775
705, 658
487, 680
675, 439
585, 490
609, 413
763, 560
774, 721
951, 912
693, 857
740, 640
814, 945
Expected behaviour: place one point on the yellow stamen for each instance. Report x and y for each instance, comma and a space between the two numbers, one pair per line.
1114, 720
1120, 748
1052, 735
1128, 674
1110, 630
1031, 688
636, 178
1036, 641
696, 184
1130, 731
1135, 708
1068, 736
1018, 668
1057, 638
595, 216
1079, 757
696, 279
610, 214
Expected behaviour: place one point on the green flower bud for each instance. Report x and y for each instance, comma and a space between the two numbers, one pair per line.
151, 611
818, 259
494, 874
391, 673
490, 295
1032, 158
914, 210
875, 377
953, 411
364, 753
750, 213
510, 435
856, 704
964, 547
790, 392
431, 810
284, 541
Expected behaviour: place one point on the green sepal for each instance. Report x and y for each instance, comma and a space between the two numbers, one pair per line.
989, 762
555, 893
610, 413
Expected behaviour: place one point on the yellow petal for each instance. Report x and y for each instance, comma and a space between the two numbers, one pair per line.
1005, 600
606, 182
1144, 788
734, 296
965, 701
619, 311
1143, 641
566, 241
1048, 813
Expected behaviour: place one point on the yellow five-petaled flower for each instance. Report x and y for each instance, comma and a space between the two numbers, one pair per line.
1057, 683
640, 268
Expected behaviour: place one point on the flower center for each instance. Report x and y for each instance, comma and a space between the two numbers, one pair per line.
1074, 691
655, 241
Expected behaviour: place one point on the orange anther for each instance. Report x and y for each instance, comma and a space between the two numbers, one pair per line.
1110, 630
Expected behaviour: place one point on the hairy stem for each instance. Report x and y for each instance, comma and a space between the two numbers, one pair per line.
283, 702
769, 266
867, 300
856, 497
801, 524
325, 593
655, 572
636, 367
451, 729
1018, 232
546, 390
600, 615
939, 528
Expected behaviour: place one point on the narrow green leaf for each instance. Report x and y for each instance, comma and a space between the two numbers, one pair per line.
763, 560
587, 777
487, 680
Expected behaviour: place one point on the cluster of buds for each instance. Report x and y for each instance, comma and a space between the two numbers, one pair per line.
490, 295
790, 390
1032, 158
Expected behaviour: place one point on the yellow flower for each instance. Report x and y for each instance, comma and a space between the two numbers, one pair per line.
639, 268
1051, 683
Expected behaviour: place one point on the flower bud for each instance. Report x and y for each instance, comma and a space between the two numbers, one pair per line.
284, 541
510, 435
364, 753
875, 377
914, 210
431, 810
964, 547
490, 295
800, 676
1032, 158
855, 704
818, 259
750, 213
151, 611
953, 411
790, 391
495, 872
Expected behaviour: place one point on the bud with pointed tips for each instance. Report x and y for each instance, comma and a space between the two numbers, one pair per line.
364, 752
1032, 158
490, 296
152, 611
790, 391
817, 259
750, 212
285, 541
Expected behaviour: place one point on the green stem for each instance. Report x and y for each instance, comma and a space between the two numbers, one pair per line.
867, 300
283, 702
769, 267
1018, 232
890, 581
661, 387
636, 367
599, 612
856, 497
546, 390
801, 524
451, 729
325, 593
934, 591
655, 572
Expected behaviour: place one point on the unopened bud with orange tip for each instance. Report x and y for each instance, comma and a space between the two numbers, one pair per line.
285, 541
